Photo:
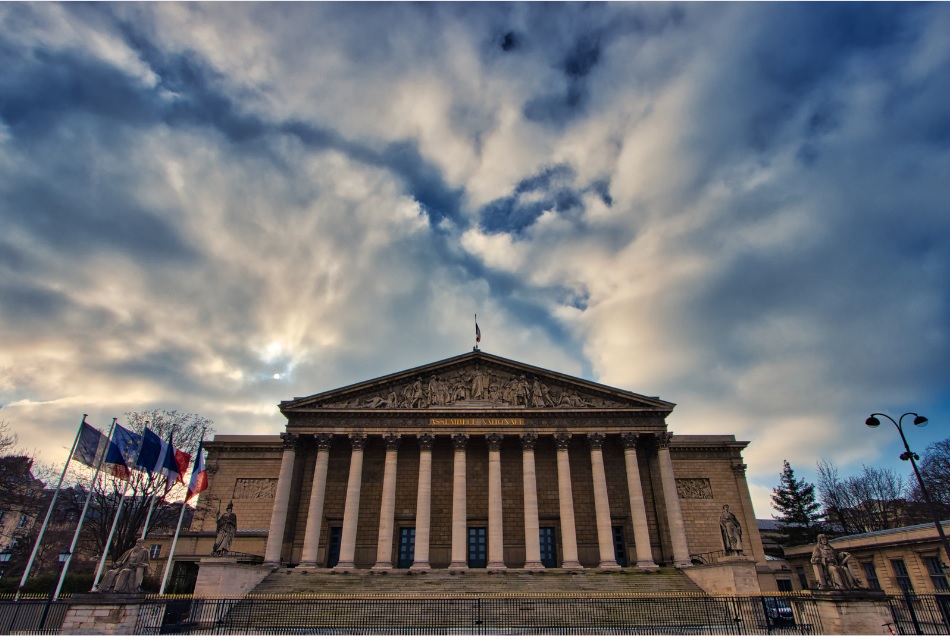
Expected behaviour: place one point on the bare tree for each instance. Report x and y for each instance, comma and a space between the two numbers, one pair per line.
141, 489
874, 499
935, 471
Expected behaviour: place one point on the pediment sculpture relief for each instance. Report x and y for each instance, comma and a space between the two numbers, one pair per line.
476, 388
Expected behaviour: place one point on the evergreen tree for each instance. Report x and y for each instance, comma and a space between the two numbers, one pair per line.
799, 511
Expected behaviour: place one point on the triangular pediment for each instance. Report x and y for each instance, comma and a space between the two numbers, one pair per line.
476, 381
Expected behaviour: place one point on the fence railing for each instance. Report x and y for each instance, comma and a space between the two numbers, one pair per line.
921, 614
482, 615
31, 614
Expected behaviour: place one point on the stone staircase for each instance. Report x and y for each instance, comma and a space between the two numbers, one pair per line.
556, 600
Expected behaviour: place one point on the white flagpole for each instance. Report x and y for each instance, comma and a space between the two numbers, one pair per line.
49, 513
148, 517
82, 516
171, 553
181, 516
105, 551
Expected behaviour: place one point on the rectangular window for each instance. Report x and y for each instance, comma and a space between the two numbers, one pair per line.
785, 585
620, 546
937, 574
902, 576
2, 512
802, 579
548, 549
477, 547
407, 547
870, 572
155, 550
333, 546
23, 520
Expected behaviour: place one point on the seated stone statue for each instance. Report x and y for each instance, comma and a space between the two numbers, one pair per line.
128, 572
832, 569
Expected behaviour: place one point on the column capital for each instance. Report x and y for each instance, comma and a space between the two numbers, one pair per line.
392, 441
425, 442
494, 441
460, 441
596, 441
358, 440
563, 441
739, 469
528, 441
323, 441
663, 440
631, 440
290, 440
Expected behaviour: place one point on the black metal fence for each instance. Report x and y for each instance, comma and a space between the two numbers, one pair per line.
921, 614
482, 615
31, 614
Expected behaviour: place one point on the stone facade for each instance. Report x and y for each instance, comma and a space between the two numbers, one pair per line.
592, 465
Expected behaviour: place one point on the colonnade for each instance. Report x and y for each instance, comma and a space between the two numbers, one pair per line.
459, 548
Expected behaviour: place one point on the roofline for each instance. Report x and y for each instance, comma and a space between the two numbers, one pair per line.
476, 354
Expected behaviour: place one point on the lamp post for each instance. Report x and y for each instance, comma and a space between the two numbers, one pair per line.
912, 457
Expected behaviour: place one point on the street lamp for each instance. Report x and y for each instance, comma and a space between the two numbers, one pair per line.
908, 455
64, 556
5, 557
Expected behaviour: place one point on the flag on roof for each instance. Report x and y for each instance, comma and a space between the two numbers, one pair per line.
91, 446
199, 476
478, 332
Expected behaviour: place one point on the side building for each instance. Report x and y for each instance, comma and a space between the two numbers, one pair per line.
479, 462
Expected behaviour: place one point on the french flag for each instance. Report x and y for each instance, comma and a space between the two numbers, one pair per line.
159, 456
199, 476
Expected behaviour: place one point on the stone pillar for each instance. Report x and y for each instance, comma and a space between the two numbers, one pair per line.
423, 503
673, 512
311, 537
496, 536
532, 533
565, 497
638, 514
351, 508
854, 612
387, 508
605, 537
751, 541
459, 512
278, 516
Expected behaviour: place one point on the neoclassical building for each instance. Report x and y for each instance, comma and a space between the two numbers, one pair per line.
478, 462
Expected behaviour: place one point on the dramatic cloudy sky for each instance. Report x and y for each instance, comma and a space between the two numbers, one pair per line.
740, 208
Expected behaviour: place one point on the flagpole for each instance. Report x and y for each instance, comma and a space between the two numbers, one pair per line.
181, 516
105, 551
148, 517
49, 513
82, 516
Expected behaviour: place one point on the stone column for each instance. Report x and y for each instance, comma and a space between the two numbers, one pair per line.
673, 512
387, 508
278, 516
605, 538
638, 514
351, 508
496, 536
311, 537
532, 533
751, 541
423, 502
565, 496
459, 513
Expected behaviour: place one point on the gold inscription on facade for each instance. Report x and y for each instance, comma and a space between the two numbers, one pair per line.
476, 421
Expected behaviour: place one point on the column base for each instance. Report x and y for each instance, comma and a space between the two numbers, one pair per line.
572, 565
534, 566
682, 564
458, 566
496, 568
344, 567
647, 565
419, 568
307, 565
381, 568
609, 565
271, 564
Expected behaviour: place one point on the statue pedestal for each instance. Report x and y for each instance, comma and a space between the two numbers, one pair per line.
728, 575
102, 613
853, 611
225, 577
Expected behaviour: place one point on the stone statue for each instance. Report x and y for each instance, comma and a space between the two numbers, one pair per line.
128, 573
227, 528
832, 569
731, 532
478, 385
